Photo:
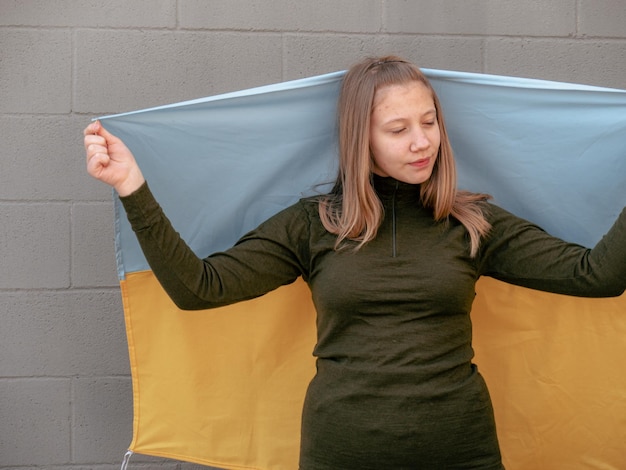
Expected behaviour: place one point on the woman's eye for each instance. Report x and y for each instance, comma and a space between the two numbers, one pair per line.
397, 131
429, 123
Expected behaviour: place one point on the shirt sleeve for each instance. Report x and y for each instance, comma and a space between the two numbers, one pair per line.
519, 252
272, 255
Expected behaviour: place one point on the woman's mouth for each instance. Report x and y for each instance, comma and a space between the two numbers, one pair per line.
421, 163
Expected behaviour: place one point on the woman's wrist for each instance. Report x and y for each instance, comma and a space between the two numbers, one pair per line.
130, 185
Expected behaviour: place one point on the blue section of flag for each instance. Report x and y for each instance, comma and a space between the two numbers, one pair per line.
554, 153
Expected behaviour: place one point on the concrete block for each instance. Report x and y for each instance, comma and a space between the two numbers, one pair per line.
355, 16
93, 245
81, 13
450, 53
62, 334
127, 70
149, 462
103, 419
602, 18
309, 54
34, 246
591, 62
35, 71
43, 158
35, 419
481, 17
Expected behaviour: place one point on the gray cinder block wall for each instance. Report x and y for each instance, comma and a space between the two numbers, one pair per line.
65, 392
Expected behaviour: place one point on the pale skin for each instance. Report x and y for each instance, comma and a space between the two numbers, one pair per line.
404, 132
110, 161
404, 139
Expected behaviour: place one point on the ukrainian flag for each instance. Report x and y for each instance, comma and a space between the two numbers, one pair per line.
225, 387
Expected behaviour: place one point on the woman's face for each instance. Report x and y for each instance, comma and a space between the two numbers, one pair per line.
404, 132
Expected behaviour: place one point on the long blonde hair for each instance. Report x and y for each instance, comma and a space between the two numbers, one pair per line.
352, 210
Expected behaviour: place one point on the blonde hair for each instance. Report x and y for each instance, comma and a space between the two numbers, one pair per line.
352, 210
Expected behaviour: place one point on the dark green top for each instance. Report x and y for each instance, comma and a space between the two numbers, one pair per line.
395, 386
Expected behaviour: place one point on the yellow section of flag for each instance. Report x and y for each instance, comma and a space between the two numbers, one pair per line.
225, 387
220, 387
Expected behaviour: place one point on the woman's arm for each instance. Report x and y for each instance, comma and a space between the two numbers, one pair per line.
270, 256
521, 253
263, 260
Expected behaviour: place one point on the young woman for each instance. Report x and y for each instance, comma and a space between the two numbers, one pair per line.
391, 255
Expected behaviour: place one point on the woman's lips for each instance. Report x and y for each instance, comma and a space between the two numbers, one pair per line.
421, 163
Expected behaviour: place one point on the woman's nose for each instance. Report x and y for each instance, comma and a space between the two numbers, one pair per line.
419, 141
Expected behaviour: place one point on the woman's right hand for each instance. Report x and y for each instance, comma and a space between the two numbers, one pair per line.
110, 161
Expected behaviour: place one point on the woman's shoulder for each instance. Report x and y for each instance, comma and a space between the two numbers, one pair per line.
297, 225
297, 216
503, 222
495, 212
307, 205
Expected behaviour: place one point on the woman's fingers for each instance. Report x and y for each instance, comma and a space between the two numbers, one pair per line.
110, 161
100, 130
92, 128
96, 145
97, 150
92, 141
97, 159
96, 163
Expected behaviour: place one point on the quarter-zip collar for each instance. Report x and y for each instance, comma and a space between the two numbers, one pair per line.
390, 190
395, 194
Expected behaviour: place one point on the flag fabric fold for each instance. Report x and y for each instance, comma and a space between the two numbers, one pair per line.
224, 387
